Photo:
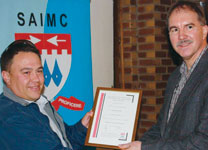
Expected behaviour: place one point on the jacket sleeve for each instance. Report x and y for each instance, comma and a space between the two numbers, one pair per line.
76, 135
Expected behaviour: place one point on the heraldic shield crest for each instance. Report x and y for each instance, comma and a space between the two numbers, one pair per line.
55, 50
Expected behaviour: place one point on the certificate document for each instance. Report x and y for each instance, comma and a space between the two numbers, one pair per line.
114, 122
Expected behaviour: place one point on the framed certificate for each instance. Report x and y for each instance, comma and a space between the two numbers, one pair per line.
115, 118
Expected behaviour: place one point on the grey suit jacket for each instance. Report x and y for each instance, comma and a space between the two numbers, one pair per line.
187, 128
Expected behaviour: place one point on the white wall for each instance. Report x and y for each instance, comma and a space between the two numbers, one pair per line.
102, 42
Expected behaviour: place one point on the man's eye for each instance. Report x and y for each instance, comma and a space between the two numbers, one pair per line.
26, 72
40, 71
189, 27
173, 30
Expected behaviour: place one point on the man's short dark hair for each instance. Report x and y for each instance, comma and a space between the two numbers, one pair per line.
195, 7
13, 49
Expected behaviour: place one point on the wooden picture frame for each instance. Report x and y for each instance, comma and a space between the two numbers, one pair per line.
116, 113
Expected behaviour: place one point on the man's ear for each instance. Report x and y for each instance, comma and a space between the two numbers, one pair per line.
6, 77
205, 31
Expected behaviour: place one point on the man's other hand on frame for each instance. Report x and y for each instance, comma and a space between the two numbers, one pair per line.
136, 145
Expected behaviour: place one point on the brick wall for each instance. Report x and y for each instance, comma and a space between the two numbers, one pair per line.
146, 61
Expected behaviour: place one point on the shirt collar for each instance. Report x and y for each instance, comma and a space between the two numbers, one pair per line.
184, 69
8, 93
42, 101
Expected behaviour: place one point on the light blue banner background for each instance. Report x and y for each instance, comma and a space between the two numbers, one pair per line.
79, 81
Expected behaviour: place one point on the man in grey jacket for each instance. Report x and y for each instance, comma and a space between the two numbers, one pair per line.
183, 120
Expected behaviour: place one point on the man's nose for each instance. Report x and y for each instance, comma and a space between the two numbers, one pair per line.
35, 77
182, 35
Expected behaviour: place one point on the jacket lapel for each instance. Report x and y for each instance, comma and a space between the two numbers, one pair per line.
168, 96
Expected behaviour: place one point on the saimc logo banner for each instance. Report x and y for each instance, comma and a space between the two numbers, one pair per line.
55, 50
61, 31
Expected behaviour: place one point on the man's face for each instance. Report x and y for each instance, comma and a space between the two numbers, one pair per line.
25, 76
187, 35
